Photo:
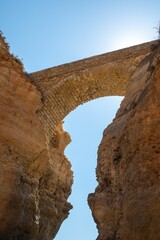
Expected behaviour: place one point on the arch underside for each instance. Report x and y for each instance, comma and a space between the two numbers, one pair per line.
67, 86
76, 89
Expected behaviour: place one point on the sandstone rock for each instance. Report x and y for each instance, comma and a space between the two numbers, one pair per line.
126, 203
35, 177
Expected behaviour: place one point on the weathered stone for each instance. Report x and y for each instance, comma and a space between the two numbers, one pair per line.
67, 86
126, 203
36, 177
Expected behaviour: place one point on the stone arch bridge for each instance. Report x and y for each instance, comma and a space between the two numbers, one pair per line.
65, 87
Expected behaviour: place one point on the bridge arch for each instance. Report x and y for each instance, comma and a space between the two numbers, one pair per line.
67, 86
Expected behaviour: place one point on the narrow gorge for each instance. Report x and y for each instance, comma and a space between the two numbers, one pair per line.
35, 175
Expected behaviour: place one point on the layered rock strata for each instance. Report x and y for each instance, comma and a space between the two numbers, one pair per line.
126, 203
35, 177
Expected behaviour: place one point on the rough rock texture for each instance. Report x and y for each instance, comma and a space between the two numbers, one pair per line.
126, 203
35, 178
67, 86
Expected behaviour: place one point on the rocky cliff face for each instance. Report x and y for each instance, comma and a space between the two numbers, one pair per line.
126, 203
35, 178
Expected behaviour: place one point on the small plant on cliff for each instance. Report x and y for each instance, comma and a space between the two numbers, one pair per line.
4, 40
18, 59
158, 30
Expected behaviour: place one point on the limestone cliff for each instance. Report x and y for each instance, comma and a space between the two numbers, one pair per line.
126, 203
35, 177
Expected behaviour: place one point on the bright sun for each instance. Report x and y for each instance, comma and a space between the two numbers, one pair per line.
128, 40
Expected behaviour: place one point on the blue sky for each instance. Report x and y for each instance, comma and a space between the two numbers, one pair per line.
46, 33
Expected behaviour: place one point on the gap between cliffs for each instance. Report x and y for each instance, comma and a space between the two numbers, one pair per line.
36, 177
85, 125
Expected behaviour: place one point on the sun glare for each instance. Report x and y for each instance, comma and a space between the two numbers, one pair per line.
128, 40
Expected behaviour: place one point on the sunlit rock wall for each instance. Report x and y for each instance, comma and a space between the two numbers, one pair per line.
35, 178
126, 202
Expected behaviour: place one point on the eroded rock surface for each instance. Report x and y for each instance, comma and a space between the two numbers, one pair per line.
126, 203
35, 177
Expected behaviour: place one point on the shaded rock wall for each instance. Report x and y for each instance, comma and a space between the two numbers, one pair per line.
35, 178
126, 203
